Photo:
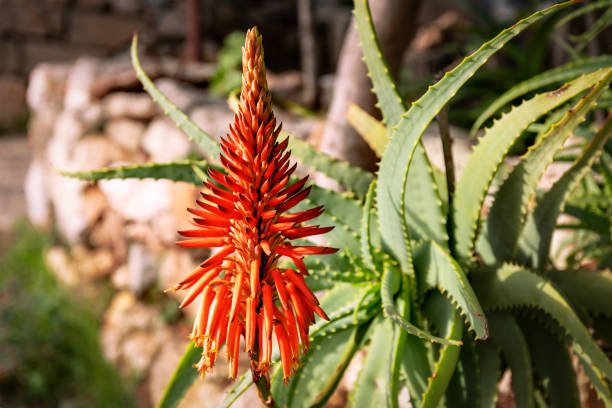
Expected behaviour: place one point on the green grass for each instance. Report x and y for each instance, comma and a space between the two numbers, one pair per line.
48, 340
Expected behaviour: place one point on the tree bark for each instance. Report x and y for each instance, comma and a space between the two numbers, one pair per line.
396, 23
308, 52
193, 42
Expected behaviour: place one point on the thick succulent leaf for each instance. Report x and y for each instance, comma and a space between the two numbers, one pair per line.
423, 208
322, 367
489, 363
184, 375
367, 248
398, 346
351, 177
553, 76
514, 286
437, 269
388, 287
405, 138
507, 334
463, 390
416, 368
372, 388
389, 100
509, 210
484, 162
338, 267
342, 212
239, 387
552, 365
534, 243
369, 128
589, 289
339, 303
182, 121
176, 171
447, 321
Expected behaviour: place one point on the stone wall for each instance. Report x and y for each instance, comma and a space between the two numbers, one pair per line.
38, 31
120, 234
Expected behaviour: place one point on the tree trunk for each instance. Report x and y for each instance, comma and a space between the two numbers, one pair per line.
395, 22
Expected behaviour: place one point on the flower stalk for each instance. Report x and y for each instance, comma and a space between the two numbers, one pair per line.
245, 295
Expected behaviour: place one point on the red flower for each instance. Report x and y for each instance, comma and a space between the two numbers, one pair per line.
243, 292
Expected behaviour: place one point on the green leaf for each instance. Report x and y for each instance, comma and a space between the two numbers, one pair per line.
338, 267
184, 375
405, 138
509, 210
367, 249
369, 128
372, 386
388, 287
589, 289
552, 364
323, 366
515, 286
507, 334
389, 100
437, 269
553, 76
489, 364
182, 121
351, 177
241, 384
464, 387
176, 171
416, 368
445, 318
339, 302
342, 212
423, 208
396, 355
484, 162
534, 243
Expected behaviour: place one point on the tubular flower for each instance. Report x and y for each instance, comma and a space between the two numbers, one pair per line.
242, 290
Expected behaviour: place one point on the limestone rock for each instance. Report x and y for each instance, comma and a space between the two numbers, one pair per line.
141, 268
108, 232
214, 118
69, 211
79, 83
164, 142
94, 152
92, 263
67, 130
130, 105
182, 95
174, 266
137, 200
38, 201
126, 133
63, 269
129, 331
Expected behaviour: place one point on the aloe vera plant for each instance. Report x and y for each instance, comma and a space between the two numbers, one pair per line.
441, 290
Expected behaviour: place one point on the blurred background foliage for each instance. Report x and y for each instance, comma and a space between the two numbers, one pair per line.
49, 336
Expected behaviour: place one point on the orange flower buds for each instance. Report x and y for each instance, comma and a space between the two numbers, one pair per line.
243, 292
